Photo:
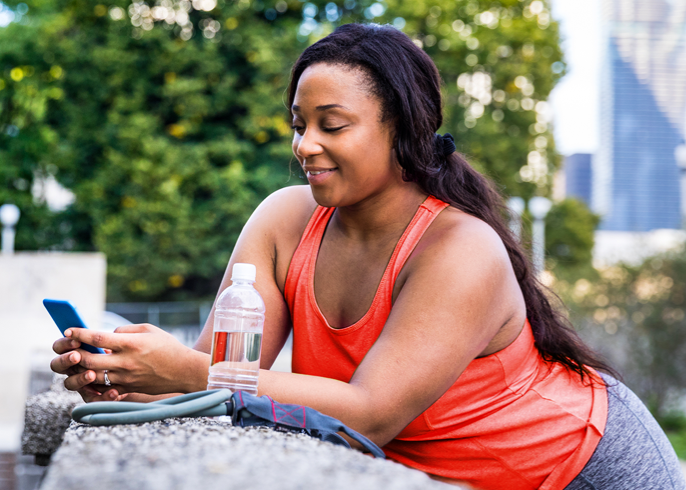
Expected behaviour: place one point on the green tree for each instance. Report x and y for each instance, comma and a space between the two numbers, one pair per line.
499, 62
164, 142
167, 120
569, 240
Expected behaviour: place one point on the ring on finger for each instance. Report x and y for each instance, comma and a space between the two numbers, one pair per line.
107, 379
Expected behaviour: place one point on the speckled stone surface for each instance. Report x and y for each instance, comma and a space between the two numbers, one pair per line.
47, 417
195, 453
206, 453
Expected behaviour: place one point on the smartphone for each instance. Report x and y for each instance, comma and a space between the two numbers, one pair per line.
66, 316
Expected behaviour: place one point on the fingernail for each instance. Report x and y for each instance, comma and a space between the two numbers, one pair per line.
113, 395
74, 343
67, 333
72, 357
90, 376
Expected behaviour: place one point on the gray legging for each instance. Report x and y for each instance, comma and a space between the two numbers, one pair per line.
634, 453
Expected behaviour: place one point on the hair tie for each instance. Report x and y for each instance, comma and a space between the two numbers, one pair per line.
445, 144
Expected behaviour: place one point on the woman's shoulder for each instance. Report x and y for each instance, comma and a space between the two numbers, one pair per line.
286, 208
462, 235
462, 250
464, 262
280, 221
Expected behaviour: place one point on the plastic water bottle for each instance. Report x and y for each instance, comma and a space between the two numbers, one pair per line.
237, 338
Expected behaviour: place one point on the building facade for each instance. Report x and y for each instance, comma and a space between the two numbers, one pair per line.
578, 176
643, 115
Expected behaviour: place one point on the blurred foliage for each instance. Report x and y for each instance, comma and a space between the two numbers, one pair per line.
678, 441
164, 142
569, 240
499, 61
167, 122
635, 315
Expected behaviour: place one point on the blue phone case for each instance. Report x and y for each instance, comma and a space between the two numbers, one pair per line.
66, 316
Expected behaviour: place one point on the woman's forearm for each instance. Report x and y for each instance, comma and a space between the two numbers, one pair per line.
350, 404
143, 398
197, 365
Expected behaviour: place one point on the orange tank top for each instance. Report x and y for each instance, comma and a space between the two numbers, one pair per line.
511, 420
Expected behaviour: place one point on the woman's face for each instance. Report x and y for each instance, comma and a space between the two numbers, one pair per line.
342, 145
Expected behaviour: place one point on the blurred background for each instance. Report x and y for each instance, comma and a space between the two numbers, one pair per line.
137, 137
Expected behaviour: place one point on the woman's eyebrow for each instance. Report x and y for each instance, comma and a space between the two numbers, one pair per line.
296, 108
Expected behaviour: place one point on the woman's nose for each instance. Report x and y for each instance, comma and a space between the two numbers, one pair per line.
307, 144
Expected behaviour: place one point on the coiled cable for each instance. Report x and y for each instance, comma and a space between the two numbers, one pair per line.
211, 403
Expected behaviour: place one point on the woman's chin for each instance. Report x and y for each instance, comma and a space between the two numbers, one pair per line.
323, 198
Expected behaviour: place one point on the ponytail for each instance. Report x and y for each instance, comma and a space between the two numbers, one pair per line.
466, 189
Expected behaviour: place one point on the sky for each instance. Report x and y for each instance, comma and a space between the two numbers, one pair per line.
576, 98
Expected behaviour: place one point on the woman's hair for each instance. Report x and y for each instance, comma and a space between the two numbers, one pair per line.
407, 83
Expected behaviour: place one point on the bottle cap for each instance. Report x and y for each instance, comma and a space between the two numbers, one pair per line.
245, 272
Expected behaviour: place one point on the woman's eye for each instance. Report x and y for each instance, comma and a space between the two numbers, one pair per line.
300, 129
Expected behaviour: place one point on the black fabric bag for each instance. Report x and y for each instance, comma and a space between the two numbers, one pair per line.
251, 411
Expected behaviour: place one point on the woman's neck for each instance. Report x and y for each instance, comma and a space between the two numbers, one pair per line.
380, 215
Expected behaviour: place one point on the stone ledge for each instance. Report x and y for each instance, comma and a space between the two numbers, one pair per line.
192, 453
46, 418
210, 453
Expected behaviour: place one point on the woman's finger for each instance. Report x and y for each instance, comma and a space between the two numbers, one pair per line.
100, 397
138, 328
91, 394
74, 370
104, 340
98, 362
62, 364
88, 394
60, 346
108, 380
78, 381
112, 394
109, 393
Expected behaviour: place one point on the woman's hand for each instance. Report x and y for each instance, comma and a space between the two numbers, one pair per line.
79, 378
143, 359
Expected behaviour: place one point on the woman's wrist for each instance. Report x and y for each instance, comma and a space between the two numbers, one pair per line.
196, 367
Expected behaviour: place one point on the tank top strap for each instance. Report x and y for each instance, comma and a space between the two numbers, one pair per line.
306, 253
425, 215
317, 225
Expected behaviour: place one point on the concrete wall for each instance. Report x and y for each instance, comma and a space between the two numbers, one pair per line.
26, 327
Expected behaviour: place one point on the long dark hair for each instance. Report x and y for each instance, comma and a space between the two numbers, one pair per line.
406, 81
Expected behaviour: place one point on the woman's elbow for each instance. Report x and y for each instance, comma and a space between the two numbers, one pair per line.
379, 437
381, 429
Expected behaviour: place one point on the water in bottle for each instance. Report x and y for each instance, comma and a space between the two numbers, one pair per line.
237, 338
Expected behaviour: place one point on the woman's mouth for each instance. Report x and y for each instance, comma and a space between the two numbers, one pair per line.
319, 172
320, 175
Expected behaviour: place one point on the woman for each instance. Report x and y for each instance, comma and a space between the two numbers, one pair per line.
416, 318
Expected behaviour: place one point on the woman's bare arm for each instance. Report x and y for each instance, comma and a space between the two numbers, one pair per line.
459, 292
268, 241
147, 360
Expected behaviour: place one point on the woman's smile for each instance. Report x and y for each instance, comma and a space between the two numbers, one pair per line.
316, 175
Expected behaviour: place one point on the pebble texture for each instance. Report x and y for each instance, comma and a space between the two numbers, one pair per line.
195, 453
47, 417
210, 453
